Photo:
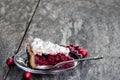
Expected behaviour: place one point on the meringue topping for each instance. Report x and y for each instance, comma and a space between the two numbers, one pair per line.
46, 47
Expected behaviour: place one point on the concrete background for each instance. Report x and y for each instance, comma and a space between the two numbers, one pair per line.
14, 16
92, 24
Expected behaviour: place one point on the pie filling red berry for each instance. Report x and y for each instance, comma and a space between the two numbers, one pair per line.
51, 59
46, 53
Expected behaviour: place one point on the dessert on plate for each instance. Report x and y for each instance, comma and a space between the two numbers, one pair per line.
47, 53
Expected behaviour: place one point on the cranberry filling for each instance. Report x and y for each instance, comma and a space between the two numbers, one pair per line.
51, 59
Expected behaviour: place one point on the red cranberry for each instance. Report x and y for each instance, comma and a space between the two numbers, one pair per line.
27, 75
83, 52
10, 61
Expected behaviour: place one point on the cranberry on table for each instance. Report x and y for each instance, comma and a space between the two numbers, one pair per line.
10, 61
27, 75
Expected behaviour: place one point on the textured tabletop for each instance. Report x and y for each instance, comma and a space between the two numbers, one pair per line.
92, 24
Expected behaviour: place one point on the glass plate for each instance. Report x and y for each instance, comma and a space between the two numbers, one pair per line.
39, 71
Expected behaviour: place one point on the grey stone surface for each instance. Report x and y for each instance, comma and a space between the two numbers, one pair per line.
92, 24
14, 16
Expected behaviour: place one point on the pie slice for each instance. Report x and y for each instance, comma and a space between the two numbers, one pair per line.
46, 53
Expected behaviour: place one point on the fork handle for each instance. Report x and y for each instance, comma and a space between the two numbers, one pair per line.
92, 58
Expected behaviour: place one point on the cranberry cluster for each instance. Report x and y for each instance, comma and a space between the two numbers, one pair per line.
81, 52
